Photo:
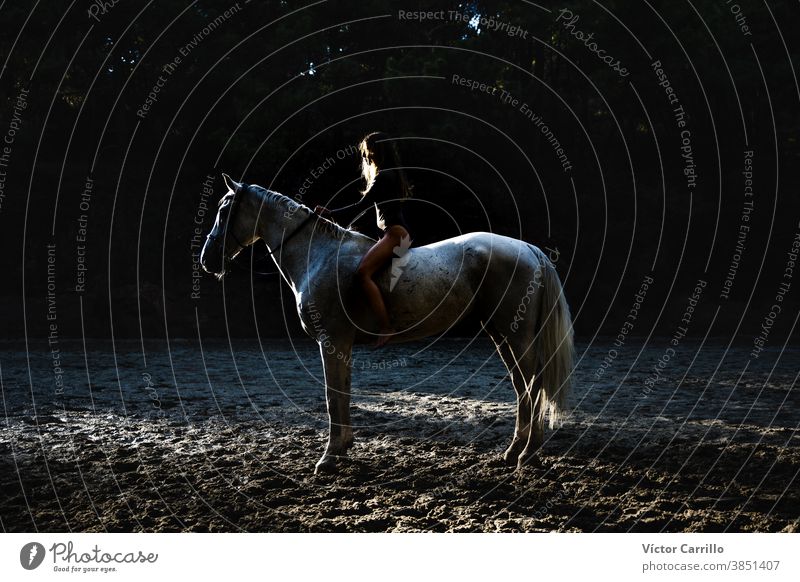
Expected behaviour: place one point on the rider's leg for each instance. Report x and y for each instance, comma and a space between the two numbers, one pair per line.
375, 258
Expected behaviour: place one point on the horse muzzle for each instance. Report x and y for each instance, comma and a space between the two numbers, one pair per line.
212, 259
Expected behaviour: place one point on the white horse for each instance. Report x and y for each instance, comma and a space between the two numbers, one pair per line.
511, 285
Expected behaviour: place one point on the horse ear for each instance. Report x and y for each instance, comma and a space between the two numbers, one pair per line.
229, 183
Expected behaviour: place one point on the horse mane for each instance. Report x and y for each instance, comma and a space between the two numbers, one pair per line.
273, 198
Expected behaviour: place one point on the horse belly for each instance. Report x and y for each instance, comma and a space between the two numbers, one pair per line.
440, 284
428, 294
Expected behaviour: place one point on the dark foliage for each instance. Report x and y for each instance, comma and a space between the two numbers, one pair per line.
272, 90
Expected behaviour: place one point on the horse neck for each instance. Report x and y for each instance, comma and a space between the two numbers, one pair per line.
285, 227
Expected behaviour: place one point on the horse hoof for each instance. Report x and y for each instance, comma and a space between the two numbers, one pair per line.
528, 460
510, 458
511, 455
326, 464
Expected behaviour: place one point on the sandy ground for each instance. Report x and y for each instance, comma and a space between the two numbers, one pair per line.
224, 438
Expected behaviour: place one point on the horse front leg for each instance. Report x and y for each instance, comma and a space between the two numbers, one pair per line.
336, 362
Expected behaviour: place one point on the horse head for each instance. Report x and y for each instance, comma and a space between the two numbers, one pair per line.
234, 228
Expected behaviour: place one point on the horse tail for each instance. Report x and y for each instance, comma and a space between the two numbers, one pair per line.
555, 343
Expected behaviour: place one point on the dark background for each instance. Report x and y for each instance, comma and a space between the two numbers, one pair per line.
278, 87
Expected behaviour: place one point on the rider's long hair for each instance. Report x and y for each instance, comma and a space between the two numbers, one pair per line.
378, 152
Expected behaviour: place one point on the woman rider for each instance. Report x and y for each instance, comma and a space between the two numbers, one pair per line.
387, 187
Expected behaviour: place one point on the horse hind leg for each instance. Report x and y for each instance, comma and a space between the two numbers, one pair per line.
525, 355
536, 433
522, 425
530, 399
